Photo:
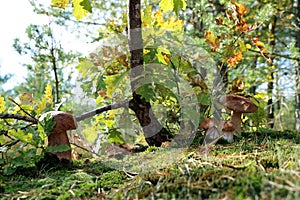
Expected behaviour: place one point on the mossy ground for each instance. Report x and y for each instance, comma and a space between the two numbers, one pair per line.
261, 165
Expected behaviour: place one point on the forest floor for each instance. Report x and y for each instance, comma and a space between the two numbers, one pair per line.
260, 165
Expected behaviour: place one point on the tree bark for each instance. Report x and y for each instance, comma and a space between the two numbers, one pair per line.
154, 133
53, 60
297, 68
270, 104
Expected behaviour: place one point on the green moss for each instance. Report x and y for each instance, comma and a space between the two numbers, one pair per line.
111, 180
261, 165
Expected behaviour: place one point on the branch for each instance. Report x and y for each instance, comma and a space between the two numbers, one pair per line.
80, 147
84, 116
27, 113
19, 117
276, 54
97, 111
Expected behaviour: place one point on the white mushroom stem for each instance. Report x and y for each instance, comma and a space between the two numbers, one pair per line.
228, 136
236, 119
227, 128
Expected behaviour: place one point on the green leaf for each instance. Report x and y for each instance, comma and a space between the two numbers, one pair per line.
160, 54
146, 91
48, 123
115, 136
58, 148
86, 5
204, 99
101, 85
21, 135
179, 5
84, 66
90, 133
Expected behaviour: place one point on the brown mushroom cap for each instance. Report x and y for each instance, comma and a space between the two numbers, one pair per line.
208, 123
238, 103
64, 121
227, 126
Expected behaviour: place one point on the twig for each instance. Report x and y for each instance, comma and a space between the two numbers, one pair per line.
278, 55
27, 113
84, 116
10, 144
97, 111
19, 117
80, 147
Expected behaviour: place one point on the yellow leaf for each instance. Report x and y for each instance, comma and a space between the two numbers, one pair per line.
248, 46
26, 98
78, 10
240, 8
41, 106
159, 17
146, 51
2, 104
173, 24
48, 93
211, 39
238, 56
111, 114
147, 16
60, 3
166, 5
260, 44
261, 95
109, 123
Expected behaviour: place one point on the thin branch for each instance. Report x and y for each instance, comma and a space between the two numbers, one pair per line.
10, 144
19, 117
123, 104
278, 55
85, 149
27, 113
97, 111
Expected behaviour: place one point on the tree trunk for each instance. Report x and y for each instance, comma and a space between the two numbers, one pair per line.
154, 133
297, 68
270, 104
253, 87
53, 60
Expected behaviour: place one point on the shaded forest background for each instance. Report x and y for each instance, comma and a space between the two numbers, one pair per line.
255, 46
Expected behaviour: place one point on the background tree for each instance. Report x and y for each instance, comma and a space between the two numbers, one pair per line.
3, 80
296, 8
50, 64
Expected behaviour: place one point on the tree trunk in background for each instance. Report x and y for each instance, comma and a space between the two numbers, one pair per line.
297, 67
270, 105
53, 60
253, 87
154, 133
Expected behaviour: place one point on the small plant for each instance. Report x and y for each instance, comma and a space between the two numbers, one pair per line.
23, 137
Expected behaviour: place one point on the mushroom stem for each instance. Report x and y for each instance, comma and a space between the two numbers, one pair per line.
228, 136
57, 138
227, 128
236, 119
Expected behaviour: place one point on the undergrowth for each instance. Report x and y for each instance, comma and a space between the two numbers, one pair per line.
260, 165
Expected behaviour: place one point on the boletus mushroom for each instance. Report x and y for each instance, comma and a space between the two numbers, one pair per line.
238, 105
215, 129
227, 128
58, 136
210, 126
